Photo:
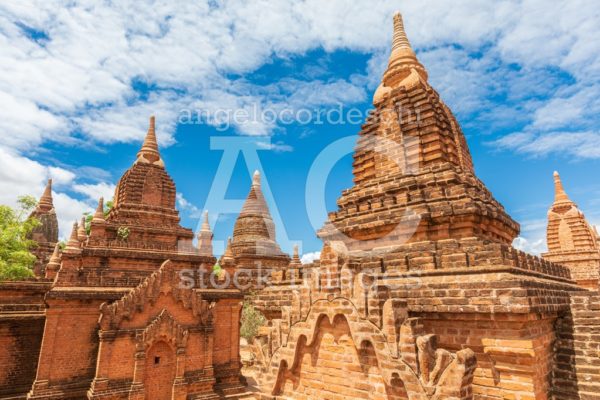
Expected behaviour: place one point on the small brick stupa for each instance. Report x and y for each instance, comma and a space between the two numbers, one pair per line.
46, 234
571, 239
205, 237
254, 248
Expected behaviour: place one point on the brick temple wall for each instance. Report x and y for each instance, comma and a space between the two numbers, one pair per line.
576, 374
20, 340
21, 329
333, 368
226, 350
514, 353
74, 326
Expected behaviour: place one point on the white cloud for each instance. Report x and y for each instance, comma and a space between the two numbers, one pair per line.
69, 210
93, 192
78, 78
310, 257
21, 176
536, 247
533, 237
563, 35
184, 205
278, 147
583, 145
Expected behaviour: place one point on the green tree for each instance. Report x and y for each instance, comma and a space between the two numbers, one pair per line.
252, 319
16, 260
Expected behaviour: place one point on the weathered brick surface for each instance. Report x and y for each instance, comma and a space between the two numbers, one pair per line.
333, 368
576, 372
21, 327
333, 330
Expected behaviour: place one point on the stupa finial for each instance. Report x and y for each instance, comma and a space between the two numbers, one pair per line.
73, 243
256, 178
560, 196
149, 152
46, 203
404, 69
99, 214
205, 223
400, 39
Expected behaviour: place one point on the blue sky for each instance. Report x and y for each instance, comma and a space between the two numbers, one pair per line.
79, 80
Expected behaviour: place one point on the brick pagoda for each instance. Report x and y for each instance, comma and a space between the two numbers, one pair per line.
418, 293
46, 234
120, 321
571, 239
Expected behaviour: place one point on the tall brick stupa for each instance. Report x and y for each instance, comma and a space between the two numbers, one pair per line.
417, 283
413, 175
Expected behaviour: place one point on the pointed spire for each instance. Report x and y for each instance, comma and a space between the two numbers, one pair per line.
254, 230
73, 243
227, 256
56, 253
205, 237
45, 203
54, 264
205, 223
295, 265
99, 214
295, 262
55, 258
256, 178
255, 203
560, 196
400, 39
228, 251
149, 152
403, 68
81, 232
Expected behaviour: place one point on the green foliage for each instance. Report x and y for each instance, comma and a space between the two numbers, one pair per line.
108, 206
88, 222
123, 233
16, 260
217, 270
26, 206
252, 319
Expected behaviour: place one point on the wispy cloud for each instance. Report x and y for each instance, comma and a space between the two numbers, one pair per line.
580, 145
184, 205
